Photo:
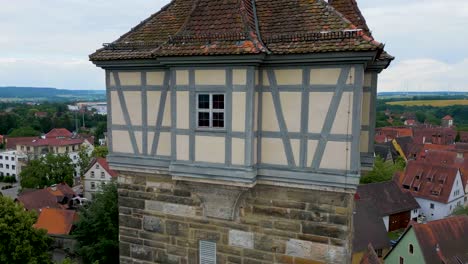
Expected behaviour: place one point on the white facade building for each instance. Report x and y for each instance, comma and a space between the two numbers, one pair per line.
10, 164
98, 174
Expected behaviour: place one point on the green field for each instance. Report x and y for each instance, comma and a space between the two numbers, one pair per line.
435, 103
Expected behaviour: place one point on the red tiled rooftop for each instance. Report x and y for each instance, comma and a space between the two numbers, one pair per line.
447, 117
105, 166
207, 27
52, 142
59, 132
56, 221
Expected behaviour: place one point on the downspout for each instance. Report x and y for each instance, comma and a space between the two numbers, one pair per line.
257, 28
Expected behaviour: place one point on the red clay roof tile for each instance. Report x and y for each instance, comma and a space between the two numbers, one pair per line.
56, 221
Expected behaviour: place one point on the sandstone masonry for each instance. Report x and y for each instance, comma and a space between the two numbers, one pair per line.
162, 221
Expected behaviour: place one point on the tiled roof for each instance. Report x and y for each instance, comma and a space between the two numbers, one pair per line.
428, 181
104, 165
368, 227
38, 199
12, 142
447, 117
370, 257
231, 27
56, 221
387, 197
444, 241
52, 142
59, 132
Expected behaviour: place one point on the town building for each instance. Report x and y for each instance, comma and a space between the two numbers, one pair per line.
370, 257
438, 189
441, 241
56, 196
395, 207
98, 174
10, 164
231, 122
369, 228
447, 121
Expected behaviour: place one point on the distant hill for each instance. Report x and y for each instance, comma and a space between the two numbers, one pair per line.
13, 93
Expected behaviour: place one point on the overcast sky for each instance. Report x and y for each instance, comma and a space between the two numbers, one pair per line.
46, 43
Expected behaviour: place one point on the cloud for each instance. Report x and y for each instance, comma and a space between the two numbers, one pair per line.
46, 72
425, 74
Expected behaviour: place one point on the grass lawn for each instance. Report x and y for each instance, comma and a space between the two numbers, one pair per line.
435, 103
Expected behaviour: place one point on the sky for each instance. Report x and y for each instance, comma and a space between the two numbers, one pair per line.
46, 43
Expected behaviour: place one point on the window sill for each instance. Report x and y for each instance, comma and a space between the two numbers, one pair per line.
211, 130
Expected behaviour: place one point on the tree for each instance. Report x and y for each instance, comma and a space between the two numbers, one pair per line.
21, 242
100, 152
48, 170
383, 171
84, 159
97, 230
24, 132
460, 210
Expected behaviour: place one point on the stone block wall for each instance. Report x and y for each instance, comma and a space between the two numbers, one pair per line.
162, 221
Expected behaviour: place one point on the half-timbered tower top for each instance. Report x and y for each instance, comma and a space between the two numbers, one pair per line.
233, 27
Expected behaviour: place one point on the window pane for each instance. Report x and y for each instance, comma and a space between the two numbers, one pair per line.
218, 119
218, 101
203, 119
204, 101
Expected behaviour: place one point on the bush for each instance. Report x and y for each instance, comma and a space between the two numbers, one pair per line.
1, 178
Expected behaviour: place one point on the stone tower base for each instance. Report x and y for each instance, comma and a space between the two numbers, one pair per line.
162, 221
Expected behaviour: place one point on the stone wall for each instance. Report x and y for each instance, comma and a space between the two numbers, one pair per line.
162, 221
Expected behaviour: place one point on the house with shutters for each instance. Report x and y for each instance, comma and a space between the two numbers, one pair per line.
438, 189
239, 128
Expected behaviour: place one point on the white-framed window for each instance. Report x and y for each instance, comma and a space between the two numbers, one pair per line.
411, 249
93, 185
6, 157
432, 206
103, 175
210, 110
97, 166
13, 167
92, 174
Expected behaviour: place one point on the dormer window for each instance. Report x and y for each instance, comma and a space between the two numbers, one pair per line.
210, 110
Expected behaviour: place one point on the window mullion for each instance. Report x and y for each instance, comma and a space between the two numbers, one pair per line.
211, 110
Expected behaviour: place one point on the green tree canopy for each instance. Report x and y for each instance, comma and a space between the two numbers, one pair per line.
48, 170
460, 210
24, 132
97, 230
100, 152
84, 159
20, 241
383, 171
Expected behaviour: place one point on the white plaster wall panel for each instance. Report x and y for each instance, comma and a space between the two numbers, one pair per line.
150, 141
257, 77
288, 77
214, 153
164, 144
265, 80
238, 151
366, 98
182, 147
111, 79
269, 119
117, 114
318, 109
296, 150
130, 78
167, 111
123, 144
364, 144
155, 78
367, 79
182, 77
133, 101
153, 99
351, 76
273, 151
325, 76
256, 113
291, 106
255, 151
210, 77
183, 111
239, 77
311, 147
139, 140
343, 123
336, 156
238, 111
